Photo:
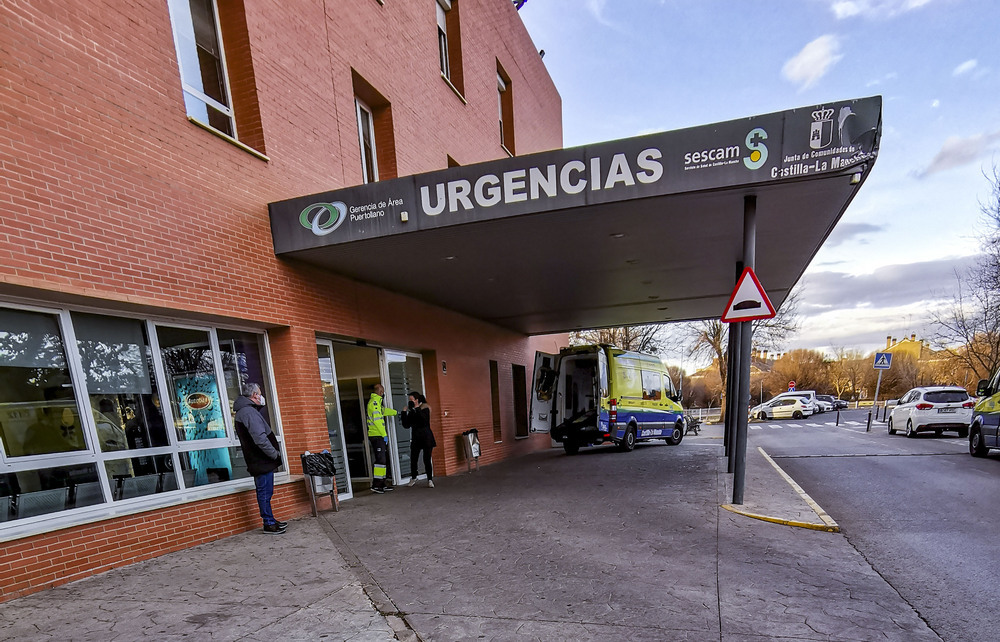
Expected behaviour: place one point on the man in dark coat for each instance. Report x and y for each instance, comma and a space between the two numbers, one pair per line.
260, 450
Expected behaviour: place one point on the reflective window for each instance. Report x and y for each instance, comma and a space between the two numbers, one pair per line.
140, 476
212, 466
121, 381
652, 386
203, 73
29, 493
118, 368
38, 411
366, 135
191, 383
243, 358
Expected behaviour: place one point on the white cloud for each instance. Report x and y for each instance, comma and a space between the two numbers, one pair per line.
965, 67
956, 152
812, 62
843, 9
935, 103
596, 9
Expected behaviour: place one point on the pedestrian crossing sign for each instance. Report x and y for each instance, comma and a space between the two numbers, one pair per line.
883, 360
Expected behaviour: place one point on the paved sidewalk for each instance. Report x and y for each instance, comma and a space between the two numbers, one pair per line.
599, 546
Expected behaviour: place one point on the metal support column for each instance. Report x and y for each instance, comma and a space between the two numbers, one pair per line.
732, 358
732, 393
739, 407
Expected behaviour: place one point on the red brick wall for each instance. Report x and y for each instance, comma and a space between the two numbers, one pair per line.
111, 197
42, 561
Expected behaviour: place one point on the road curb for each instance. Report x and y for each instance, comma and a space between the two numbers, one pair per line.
828, 525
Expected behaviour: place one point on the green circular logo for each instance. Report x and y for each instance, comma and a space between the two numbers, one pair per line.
323, 218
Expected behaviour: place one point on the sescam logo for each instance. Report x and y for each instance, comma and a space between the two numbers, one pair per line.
730, 155
323, 218
758, 150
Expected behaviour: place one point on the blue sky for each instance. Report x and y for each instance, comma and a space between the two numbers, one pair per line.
628, 67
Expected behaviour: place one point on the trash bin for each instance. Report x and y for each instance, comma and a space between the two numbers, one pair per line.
320, 473
470, 439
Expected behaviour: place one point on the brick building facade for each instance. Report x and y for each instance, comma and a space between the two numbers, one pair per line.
139, 147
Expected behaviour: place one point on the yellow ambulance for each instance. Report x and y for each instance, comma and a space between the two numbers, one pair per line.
595, 394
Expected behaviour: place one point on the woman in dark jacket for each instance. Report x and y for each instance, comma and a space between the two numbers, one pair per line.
417, 417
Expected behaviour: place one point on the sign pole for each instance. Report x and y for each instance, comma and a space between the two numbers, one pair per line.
875, 401
883, 361
746, 336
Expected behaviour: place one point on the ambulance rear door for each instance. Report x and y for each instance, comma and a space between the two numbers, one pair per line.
543, 391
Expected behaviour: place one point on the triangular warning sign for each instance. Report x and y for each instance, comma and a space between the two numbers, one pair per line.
748, 302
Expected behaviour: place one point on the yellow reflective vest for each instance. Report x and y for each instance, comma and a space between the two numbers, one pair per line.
376, 416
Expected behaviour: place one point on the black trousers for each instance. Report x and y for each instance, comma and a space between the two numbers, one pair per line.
415, 450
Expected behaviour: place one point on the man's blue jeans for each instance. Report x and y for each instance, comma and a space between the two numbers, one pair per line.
265, 488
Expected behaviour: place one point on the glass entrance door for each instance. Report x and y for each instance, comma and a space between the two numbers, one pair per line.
404, 373
334, 424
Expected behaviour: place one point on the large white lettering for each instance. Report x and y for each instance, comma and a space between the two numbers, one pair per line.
564, 178
491, 196
458, 193
438, 207
513, 186
607, 172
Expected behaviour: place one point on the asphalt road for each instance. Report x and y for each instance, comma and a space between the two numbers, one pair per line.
922, 511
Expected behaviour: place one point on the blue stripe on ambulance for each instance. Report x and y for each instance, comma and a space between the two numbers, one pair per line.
649, 423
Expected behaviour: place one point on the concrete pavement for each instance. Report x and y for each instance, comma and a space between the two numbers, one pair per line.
599, 546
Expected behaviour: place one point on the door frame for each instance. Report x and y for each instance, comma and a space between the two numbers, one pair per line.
383, 364
347, 493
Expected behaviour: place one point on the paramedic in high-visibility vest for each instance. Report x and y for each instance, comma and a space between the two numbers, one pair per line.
377, 438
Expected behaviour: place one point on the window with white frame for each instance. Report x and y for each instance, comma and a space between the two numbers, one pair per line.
366, 136
202, 63
443, 7
98, 409
505, 111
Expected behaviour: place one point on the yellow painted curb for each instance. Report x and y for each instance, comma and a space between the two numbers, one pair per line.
786, 522
828, 524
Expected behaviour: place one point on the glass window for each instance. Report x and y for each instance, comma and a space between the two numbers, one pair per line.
28, 493
243, 356
442, 22
652, 386
366, 133
630, 384
202, 63
192, 386
140, 476
946, 396
118, 369
38, 411
212, 466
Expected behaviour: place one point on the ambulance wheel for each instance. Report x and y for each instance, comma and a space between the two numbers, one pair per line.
977, 448
675, 436
571, 447
628, 441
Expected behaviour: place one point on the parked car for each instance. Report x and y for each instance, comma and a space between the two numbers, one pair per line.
933, 408
783, 407
839, 404
808, 395
825, 402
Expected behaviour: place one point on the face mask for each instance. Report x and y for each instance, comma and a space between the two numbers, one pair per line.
260, 400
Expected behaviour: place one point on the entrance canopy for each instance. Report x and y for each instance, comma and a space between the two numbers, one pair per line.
640, 230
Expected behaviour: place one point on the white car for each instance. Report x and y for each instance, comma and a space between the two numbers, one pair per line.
808, 395
934, 408
782, 408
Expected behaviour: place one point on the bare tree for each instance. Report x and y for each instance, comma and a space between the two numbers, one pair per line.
709, 339
968, 329
636, 338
